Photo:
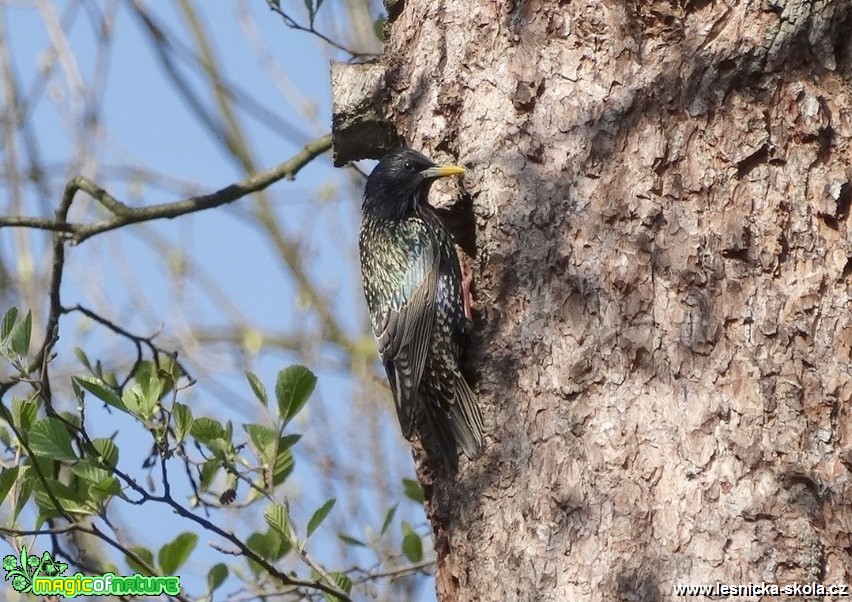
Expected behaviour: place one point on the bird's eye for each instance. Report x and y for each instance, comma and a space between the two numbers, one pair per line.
409, 167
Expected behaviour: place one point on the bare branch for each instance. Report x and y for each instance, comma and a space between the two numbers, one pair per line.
124, 215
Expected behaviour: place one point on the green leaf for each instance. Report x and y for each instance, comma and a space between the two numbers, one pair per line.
183, 421
276, 518
412, 490
89, 472
208, 472
343, 582
151, 389
20, 335
24, 492
222, 450
269, 545
107, 451
231, 482
96, 495
288, 441
46, 465
257, 388
169, 372
143, 396
263, 439
7, 479
319, 515
146, 555
173, 555
68, 499
24, 413
206, 429
142, 372
83, 358
48, 438
132, 399
216, 576
292, 390
412, 545
99, 389
7, 324
283, 467
71, 419
348, 539
105, 489
388, 519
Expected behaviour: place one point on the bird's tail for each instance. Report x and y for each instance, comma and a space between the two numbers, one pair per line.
454, 421
465, 419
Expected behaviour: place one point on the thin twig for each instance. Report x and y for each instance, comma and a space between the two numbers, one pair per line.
137, 340
393, 573
293, 24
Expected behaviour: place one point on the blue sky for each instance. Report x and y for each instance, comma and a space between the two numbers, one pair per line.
129, 276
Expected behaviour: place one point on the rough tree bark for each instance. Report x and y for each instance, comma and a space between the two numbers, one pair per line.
661, 192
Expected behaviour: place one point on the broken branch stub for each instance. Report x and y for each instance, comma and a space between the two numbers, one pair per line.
360, 129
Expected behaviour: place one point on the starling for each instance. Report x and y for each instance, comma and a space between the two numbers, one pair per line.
413, 286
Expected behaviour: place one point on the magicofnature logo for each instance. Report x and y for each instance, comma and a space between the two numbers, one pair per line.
42, 576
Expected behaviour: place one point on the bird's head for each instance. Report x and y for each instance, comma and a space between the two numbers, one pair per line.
401, 181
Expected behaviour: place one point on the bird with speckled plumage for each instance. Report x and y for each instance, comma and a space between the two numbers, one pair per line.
413, 285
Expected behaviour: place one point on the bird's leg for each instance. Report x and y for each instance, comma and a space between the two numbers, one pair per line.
467, 296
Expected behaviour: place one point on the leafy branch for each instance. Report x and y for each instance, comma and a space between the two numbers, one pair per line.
95, 475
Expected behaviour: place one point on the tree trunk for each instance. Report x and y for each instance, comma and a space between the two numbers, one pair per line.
661, 193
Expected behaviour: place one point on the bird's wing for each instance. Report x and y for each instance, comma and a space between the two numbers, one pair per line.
403, 329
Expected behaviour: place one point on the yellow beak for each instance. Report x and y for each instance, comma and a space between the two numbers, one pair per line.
442, 171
